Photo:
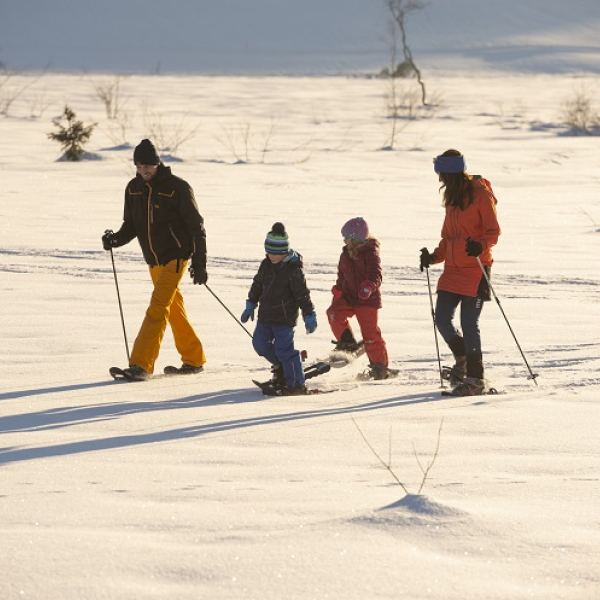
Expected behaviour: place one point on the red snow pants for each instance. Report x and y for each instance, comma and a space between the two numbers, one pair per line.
338, 314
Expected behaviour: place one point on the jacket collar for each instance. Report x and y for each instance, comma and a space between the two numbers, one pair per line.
163, 172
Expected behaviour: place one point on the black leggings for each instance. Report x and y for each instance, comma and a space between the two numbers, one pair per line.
470, 310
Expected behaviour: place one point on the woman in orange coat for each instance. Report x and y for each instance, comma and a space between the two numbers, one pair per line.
469, 232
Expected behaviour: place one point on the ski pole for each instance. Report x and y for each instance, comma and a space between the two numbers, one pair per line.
437, 347
532, 375
232, 315
112, 258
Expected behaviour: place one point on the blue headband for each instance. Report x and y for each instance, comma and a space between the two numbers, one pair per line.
449, 164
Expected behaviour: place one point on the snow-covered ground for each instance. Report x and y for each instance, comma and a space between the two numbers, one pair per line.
202, 487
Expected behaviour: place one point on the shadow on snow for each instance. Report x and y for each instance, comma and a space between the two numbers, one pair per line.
73, 415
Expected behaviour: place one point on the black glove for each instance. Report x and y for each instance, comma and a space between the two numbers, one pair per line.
109, 239
473, 248
426, 259
198, 273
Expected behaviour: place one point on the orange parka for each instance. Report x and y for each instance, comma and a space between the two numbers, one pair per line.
462, 275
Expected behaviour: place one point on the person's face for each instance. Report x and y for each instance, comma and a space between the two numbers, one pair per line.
348, 242
276, 258
147, 172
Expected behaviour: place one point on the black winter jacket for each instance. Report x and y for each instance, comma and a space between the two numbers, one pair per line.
280, 291
163, 215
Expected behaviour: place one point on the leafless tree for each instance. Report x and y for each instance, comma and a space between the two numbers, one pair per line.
399, 11
109, 93
245, 144
169, 136
11, 87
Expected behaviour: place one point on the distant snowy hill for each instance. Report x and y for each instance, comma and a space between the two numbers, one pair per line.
285, 36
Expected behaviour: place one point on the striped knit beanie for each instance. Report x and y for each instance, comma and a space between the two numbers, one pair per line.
356, 229
277, 241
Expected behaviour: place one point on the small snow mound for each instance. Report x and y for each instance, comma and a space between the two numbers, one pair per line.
117, 148
412, 510
83, 157
423, 506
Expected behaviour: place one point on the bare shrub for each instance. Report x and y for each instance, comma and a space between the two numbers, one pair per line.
12, 87
38, 104
244, 144
579, 113
109, 93
403, 107
117, 129
167, 135
388, 465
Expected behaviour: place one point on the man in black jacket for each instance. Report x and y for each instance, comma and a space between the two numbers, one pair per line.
160, 210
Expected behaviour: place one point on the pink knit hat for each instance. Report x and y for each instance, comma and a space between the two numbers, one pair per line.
356, 229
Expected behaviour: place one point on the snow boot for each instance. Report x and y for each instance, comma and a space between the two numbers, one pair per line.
456, 374
346, 343
185, 369
277, 377
475, 365
135, 373
471, 386
378, 371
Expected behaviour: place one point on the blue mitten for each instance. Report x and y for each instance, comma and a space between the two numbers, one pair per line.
249, 312
310, 321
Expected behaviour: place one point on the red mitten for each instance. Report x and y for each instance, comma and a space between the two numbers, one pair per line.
366, 289
336, 292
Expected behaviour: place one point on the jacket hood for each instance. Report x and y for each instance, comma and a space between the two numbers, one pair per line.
293, 257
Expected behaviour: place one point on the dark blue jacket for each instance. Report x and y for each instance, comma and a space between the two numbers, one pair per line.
280, 291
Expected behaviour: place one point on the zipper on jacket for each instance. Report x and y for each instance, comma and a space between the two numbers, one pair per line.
174, 236
150, 219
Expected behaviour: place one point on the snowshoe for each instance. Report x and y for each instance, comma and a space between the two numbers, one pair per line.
316, 369
277, 382
297, 390
341, 358
185, 369
471, 386
131, 373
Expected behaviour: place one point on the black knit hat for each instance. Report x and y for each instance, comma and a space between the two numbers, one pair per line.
145, 154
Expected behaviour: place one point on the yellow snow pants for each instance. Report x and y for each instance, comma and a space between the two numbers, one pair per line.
166, 306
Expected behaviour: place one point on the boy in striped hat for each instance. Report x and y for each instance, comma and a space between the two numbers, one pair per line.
279, 290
